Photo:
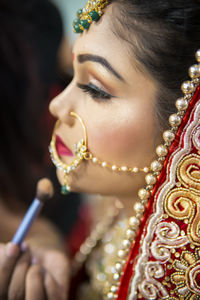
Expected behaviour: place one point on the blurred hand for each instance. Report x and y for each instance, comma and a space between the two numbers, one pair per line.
22, 277
55, 268
13, 269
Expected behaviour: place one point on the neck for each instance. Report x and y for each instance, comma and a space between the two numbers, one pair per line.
128, 200
128, 204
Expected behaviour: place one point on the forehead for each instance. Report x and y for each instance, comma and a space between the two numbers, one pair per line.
100, 40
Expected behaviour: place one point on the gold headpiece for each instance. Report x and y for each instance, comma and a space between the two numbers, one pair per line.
92, 12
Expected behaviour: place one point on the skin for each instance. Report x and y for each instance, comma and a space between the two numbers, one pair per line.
21, 278
121, 130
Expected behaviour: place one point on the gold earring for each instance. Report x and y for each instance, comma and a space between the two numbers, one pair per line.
82, 153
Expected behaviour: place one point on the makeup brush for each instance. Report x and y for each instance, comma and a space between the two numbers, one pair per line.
44, 191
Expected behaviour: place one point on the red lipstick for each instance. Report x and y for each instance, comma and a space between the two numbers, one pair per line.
61, 148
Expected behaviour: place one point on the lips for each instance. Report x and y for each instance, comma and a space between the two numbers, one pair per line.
61, 148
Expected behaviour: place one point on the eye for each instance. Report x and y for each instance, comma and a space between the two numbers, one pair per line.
94, 91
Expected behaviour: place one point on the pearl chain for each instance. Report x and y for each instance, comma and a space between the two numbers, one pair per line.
116, 168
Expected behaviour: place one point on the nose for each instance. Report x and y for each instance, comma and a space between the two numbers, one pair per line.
61, 106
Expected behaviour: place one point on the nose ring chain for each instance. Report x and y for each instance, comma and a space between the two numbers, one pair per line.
82, 153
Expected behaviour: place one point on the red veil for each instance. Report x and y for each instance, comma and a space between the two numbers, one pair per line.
164, 260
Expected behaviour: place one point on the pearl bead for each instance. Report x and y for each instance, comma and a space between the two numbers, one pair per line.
146, 170
84, 249
94, 160
104, 164
114, 289
181, 104
174, 120
187, 87
135, 169
130, 234
194, 71
114, 167
143, 194
139, 208
126, 244
90, 243
156, 166
116, 276
197, 55
168, 136
118, 266
124, 168
110, 295
150, 179
161, 150
121, 253
139, 215
134, 222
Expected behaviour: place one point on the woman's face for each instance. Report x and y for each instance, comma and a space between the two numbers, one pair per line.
116, 103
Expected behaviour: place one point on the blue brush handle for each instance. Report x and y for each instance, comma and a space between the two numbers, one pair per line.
27, 221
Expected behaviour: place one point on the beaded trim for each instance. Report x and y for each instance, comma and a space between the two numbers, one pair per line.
92, 12
188, 88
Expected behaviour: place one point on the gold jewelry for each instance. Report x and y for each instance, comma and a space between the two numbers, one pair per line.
82, 153
92, 12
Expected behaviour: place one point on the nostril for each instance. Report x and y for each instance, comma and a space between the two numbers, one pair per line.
69, 119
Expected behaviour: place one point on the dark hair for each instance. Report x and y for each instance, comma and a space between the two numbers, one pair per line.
164, 36
30, 33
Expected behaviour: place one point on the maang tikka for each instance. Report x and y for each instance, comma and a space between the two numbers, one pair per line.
92, 12
82, 153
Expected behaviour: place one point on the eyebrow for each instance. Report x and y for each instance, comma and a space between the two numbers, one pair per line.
99, 59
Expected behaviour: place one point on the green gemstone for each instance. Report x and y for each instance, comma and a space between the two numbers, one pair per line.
85, 24
77, 28
76, 21
79, 12
64, 190
94, 15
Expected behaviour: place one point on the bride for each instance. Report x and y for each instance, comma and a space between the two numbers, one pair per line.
130, 60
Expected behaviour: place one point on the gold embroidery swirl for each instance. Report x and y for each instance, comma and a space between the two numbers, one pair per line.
184, 203
188, 172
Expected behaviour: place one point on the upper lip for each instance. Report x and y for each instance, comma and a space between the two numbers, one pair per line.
61, 148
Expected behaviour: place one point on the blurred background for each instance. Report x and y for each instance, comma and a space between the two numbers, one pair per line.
36, 39
68, 9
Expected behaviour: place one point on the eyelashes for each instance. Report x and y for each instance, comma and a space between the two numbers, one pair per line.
95, 92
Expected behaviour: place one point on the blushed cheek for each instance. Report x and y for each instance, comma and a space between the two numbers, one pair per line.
119, 142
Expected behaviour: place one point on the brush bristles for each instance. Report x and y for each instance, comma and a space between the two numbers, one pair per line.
44, 189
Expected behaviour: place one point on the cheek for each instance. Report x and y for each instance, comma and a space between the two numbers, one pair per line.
127, 136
